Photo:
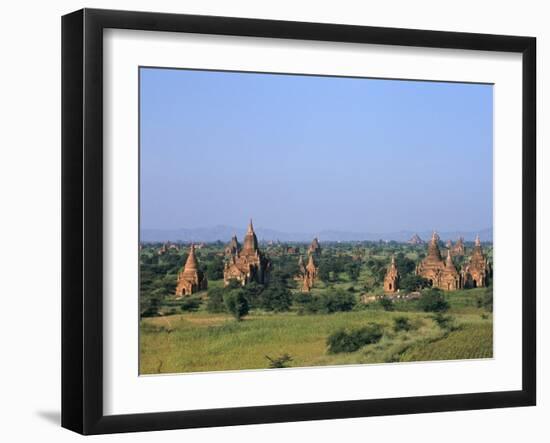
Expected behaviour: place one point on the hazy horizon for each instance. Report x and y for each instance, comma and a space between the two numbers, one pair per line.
262, 227
311, 154
224, 233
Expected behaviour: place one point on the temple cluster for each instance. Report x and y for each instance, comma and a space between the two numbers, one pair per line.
248, 263
442, 273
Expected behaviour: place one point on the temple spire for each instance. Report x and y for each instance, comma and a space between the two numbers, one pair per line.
250, 243
191, 263
478, 241
433, 247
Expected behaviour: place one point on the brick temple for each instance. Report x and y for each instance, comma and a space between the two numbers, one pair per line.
190, 278
248, 263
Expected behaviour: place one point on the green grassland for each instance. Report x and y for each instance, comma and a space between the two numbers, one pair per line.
174, 340
202, 341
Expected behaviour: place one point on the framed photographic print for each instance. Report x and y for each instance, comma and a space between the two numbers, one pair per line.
269, 221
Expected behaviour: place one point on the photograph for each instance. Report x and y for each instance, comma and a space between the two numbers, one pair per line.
292, 221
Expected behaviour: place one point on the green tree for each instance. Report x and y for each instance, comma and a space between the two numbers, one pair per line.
152, 308
386, 304
433, 300
190, 304
323, 273
215, 302
336, 301
236, 303
353, 270
252, 292
276, 298
404, 265
413, 282
214, 268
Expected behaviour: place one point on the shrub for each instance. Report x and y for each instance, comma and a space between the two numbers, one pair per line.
401, 324
351, 341
279, 362
253, 292
190, 304
152, 309
305, 303
276, 298
236, 303
411, 283
337, 301
215, 302
444, 321
328, 303
386, 304
432, 300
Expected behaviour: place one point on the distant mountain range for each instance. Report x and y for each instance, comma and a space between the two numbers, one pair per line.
224, 234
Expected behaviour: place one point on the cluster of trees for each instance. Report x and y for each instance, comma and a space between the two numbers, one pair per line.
325, 303
331, 266
238, 300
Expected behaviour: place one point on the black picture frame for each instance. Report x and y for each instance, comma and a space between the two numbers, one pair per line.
82, 218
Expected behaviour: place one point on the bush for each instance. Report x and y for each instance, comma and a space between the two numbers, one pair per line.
337, 301
152, 309
328, 303
445, 322
279, 362
215, 302
351, 341
401, 324
190, 304
236, 303
411, 283
303, 301
432, 300
253, 292
276, 298
386, 304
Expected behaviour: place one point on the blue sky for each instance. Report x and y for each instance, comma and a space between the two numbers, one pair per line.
308, 153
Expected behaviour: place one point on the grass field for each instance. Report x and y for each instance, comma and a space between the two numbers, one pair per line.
192, 342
